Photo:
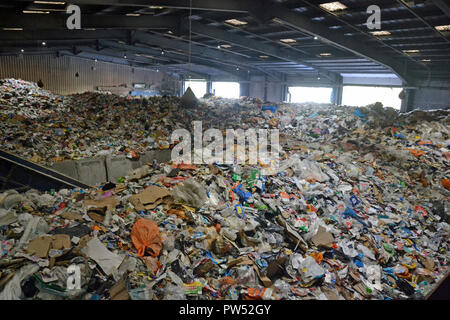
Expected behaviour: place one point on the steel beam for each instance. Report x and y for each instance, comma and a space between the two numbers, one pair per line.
255, 45
178, 57
209, 5
201, 51
305, 24
34, 35
58, 21
445, 7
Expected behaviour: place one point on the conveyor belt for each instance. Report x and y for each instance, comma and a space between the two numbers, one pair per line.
18, 173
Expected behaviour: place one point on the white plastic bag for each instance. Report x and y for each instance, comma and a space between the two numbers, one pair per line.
13, 290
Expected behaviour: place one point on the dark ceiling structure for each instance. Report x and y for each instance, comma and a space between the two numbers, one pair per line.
274, 38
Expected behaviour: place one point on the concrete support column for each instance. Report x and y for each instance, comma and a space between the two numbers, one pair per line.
284, 89
337, 95
408, 101
208, 85
265, 88
337, 92
244, 89
182, 86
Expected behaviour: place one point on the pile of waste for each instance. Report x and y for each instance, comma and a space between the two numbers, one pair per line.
358, 207
355, 220
47, 128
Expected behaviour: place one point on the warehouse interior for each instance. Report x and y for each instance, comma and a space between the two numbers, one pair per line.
91, 93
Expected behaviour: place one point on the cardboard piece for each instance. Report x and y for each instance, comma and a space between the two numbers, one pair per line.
97, 217
97, 208
41, 246
322, 238
239, 262
361, 289
247, 261
330, 294
72, 216
265, 280
110, 203
61, 241
427, 262
119, 291
119, 188
150, 198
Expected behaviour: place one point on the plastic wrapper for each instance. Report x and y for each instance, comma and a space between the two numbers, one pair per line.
190, 192
174, 292
13, 290
245, 276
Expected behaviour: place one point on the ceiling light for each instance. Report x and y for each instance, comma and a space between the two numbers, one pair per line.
316, 37
156, 7
333, 6
89, 29
162, 52
35, 11
411, 51
264, 57
12, 29
426, 60
133, 14
21, 50
49, 2
288, 40
380, 33
326, 54
55, 10
226, 46
44, 43
96, 60
443, 28
124, 56
218, 47
236, 22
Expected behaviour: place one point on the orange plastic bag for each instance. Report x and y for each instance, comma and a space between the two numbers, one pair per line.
146, 237
446, 183
255, 294
258, 294
416, 153
318, 256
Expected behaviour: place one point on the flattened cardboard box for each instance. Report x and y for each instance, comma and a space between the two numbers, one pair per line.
110, 203
119, 291
150, 198
322, 238
41, 245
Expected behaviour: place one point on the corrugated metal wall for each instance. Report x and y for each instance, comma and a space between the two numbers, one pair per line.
58, 73
432, 98
274, 89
